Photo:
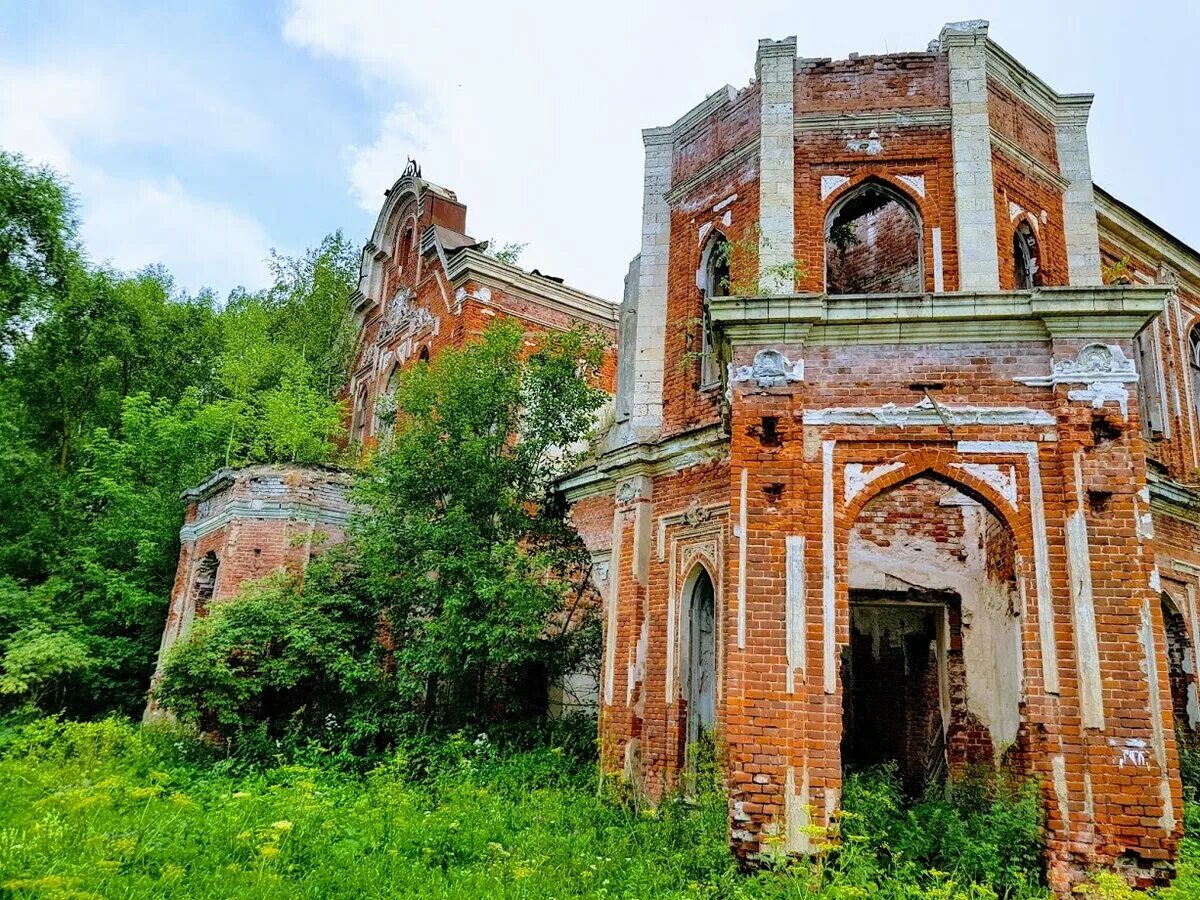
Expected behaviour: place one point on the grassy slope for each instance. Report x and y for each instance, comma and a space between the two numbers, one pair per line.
104, 810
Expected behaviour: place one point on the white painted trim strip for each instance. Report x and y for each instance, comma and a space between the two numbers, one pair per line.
614, 593
796, 637
1087, 646
1041, 549
828, 558
741, 589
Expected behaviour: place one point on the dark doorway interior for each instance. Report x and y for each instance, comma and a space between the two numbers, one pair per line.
891, 699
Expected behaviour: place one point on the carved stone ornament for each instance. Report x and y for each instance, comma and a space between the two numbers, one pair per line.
695, 514
627, 492
403, 315
771, 369
1103, 369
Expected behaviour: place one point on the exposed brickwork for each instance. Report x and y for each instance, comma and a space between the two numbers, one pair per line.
1025, 519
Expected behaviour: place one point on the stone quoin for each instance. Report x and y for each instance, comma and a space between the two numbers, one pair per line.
904, 456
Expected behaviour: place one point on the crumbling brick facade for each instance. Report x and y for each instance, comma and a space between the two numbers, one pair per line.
976, 492
424, 286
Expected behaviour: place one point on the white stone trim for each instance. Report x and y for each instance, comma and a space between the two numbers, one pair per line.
741, 536
1041, 549
857, 476
1002, 478
775, 70
1087, 646
796, 637
649, 365
924, 413
828, 561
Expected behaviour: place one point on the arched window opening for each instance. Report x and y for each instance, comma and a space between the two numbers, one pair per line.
716, 283
873, 243
385, 406
423, 356
1027, 273
1194, 365
205, 583
358, 426
405, 247
701, 656
1180, 668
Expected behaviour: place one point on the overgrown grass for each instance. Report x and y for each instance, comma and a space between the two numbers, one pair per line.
109, 810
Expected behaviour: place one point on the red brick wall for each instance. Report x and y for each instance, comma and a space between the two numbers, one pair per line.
894, 81
1020, 123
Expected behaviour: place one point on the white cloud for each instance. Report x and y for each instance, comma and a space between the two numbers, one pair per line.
532, 111
59, 113
135, 222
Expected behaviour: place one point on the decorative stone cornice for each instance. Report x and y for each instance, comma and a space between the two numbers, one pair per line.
469, 264
1117, 311
291, 510
1102, 368
926, 413
1129, 229
601, 476
889, 120
735, 157
1029, 163
1170, 498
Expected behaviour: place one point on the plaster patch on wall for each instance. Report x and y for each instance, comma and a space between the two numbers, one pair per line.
1002, 478
1014, 210
1058, 766
830, 183
1041, 549
703, 233
857, 476
724, 203
610, 624
939, 276
916, 182
794, 610
1157, 732
924, 413
829, 603
871, 145
795, 811
1083, 609
741, 536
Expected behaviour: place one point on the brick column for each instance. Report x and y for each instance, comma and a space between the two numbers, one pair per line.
646, 414
1079, 204
970, 134
774, 68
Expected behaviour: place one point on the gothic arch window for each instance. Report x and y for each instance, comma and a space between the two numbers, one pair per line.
1150, 384
715, 282
1194, 364
358, 427
1180, 666
1027, 272
385, 408
873, 242
423, 356
701, 658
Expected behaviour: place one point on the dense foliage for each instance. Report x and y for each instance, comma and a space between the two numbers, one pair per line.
117, 391
462, 590
104, 809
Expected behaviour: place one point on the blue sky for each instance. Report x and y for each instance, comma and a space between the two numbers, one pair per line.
200, 135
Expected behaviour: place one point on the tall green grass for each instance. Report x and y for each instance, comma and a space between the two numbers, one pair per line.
110, 810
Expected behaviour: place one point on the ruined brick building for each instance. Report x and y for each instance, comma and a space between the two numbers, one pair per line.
926, 490
424, 285
906, 456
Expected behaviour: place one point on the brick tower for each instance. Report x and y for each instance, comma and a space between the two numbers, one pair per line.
904, 461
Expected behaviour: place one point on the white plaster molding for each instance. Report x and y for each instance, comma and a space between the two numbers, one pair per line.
1041, 549
741, 536
924, 413
1083, 608
916, 182
770, 369
694, 515
1102, 368
828, 561
796, 638
870, 145
724, 203
830, 183
1002, 478
857, 476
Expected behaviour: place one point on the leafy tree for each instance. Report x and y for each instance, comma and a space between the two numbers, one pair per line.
476, 573
37, 236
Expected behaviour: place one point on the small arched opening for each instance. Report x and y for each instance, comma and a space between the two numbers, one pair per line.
361, 418
700, 655
1194, 365
1027, 273
715, 282
873, 242
204, 585
423, 356
931, 675
1181, 669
